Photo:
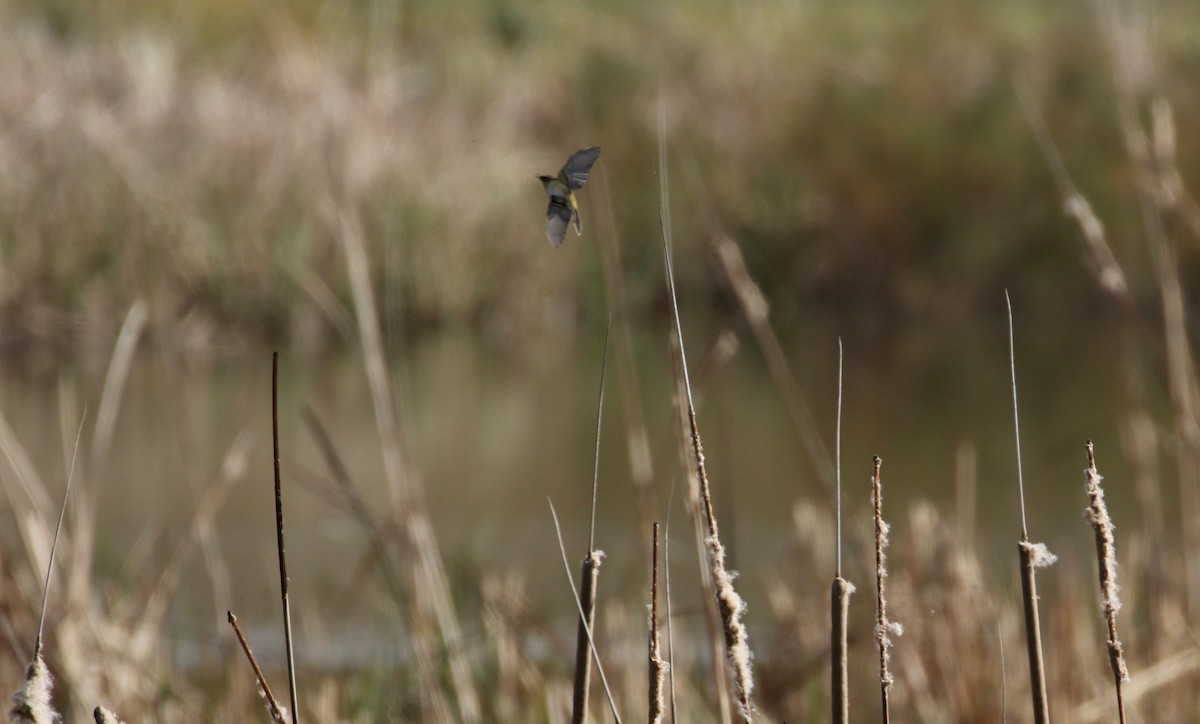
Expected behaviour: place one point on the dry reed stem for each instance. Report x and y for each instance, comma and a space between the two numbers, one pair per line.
283, 576
729, 603
1106, 558
657, 667
839, 609
277, 712
589, 578
884, 629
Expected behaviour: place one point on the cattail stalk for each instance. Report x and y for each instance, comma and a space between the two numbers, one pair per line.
583, 619
1032, 555
839, 599
884, 629
839, 611
731, 605
1106, 557
657, 667
589, 577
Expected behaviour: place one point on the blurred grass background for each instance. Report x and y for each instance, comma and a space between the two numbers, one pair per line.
870, 157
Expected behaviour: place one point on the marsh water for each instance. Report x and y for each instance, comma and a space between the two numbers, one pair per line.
495, 431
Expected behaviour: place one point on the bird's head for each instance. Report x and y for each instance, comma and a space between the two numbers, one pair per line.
545, 179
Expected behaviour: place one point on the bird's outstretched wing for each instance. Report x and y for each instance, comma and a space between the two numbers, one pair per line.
558, 215
576, 170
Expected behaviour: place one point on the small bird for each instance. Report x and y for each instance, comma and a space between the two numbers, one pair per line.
563, 206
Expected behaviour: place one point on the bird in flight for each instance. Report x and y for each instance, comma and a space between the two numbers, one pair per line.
561, 190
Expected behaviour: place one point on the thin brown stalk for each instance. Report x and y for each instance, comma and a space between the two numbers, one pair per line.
731, 605
37, 646
884, 629
278, 715
283, 576
1106, 558
657, 667
1032, 555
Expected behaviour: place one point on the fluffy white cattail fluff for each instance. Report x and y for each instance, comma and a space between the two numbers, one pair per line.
1039, 555
31, 703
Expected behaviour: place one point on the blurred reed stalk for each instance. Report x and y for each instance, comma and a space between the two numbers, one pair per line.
283, 576
1106, 560
278, 715
756, 310
839, 599
657, 666
884, 629
1165, 207
1032, 555
434, 612
730, 605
